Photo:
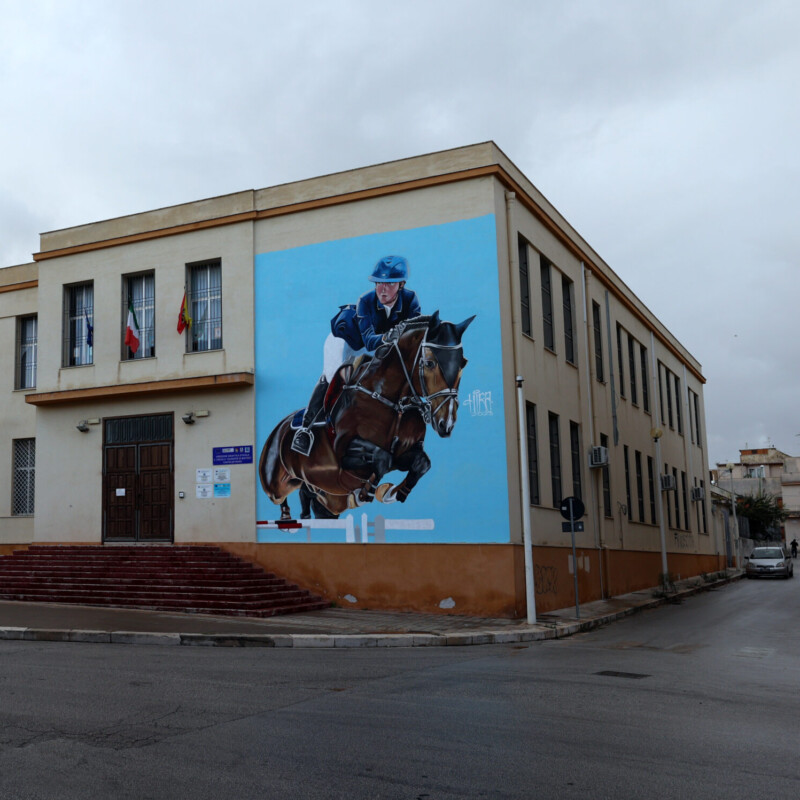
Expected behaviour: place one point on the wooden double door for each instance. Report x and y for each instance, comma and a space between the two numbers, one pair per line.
138, 479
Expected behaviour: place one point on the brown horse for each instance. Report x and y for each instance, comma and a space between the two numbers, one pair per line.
376, 423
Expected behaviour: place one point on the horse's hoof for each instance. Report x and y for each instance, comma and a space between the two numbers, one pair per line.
386, 493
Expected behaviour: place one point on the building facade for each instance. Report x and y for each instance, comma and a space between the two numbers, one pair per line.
186, 437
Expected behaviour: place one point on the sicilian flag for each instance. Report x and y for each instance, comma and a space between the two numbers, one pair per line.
184, 320
132, 335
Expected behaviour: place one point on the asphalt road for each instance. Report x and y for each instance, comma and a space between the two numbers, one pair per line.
697, 700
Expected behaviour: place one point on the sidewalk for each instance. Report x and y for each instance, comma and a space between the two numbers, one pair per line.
332, 627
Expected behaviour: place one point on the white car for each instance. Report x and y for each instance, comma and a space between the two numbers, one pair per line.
766, 562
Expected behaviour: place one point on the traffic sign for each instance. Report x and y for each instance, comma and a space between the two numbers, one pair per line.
572, 508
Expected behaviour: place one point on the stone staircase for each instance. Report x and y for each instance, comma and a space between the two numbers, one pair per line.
182, 578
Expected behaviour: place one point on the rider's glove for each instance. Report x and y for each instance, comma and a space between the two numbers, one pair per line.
393, 335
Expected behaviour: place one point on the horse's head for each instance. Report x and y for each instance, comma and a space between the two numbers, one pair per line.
440, 362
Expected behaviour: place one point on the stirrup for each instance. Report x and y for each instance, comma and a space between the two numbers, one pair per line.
302, 441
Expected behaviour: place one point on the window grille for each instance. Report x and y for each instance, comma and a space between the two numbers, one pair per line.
555, 459
547, 304
78, 325
26, 352
140, 290
533, 454
205, 307
524, 286
569, 335
24, 476
598, 342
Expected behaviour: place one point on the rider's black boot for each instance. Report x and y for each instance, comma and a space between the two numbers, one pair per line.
303, 438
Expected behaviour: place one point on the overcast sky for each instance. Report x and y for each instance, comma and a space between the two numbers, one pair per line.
666, 132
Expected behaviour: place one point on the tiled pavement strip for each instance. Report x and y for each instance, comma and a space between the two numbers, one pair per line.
333, 627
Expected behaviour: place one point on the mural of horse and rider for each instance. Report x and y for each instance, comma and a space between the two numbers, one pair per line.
397, 362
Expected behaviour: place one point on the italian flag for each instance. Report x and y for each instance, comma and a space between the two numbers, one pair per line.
132, 335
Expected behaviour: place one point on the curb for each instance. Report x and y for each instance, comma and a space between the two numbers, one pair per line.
526, 633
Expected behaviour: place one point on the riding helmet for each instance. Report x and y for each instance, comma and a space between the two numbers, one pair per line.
390, 269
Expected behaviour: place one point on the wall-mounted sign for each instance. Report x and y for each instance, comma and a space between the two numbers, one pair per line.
121, 492
205, 490
203, 475
222, 490
222, 475
242, 454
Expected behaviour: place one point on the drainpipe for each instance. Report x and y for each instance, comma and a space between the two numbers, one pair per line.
585, 275
525, 491
656, 433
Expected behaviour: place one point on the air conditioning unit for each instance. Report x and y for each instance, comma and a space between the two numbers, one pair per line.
698, 493
667, 483
598, 457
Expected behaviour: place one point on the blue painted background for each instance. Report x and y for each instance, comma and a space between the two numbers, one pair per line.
453, 268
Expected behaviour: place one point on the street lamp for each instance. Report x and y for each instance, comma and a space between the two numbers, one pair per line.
729, 467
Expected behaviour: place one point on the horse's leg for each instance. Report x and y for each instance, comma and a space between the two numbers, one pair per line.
363, 455
286, 512
415, 463
306, 501
320, 511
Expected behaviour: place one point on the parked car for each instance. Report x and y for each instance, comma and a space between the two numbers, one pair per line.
765, 562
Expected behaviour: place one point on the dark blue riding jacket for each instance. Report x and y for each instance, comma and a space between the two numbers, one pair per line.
364, 324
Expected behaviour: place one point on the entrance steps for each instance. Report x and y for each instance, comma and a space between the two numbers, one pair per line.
195, 579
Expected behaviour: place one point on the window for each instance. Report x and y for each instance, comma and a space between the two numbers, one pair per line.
598, 343
661, 393
627, 482
685, 501
78, 325
524, 287
555, 460
632, 369
697, 420
703, 504
27, 333
569, 325
575, 451
140, 294
667, 504
606, 480
678, 418
24, 476
651, 479
676, 498
667, 376
637, 456
619, 361
697, 509
690, 421
547, 305
533, 454
645, 381
205, 307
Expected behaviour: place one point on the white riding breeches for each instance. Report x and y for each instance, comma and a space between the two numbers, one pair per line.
334, 353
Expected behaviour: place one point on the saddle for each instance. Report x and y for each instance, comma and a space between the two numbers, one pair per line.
343, 377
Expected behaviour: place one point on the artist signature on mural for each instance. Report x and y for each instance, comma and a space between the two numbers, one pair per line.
478, 403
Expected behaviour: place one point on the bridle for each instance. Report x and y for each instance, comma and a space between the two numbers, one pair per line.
420, 401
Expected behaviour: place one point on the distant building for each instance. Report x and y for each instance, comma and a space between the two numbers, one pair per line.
767, 471
104, 442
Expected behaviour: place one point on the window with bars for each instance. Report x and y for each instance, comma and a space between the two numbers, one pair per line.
139, 294
555, 459
697, 421
205, 306
598, 343
533, 454
524, 287
685, 501
26, 352
678, 416
78, 335
676, 498
627, 481
632, 369
637, 458
606, 474
24, 477
575, 452
619, 362
547, 304
651, 480
645, 381
569, 319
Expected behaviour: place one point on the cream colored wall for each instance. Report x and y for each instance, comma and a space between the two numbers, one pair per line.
556, 386
167, 257
17, 419
69, 463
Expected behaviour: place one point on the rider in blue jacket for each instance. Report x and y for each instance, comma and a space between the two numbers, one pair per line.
361, 328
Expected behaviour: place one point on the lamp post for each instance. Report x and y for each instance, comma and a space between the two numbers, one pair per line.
737, 543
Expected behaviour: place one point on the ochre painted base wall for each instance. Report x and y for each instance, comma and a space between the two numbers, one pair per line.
479, 580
